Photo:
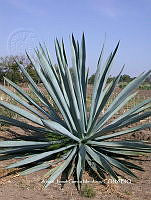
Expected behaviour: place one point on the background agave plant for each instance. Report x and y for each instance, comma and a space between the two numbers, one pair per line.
75, 137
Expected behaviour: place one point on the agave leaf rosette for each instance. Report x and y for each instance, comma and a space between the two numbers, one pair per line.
72, 136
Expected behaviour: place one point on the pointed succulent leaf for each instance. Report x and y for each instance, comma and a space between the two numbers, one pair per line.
37, 157
22, 112
61, 168
60, 129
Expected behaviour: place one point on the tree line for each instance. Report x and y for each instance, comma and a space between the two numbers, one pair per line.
125, 78
9, 69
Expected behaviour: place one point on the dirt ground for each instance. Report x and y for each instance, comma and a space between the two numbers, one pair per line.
15, 187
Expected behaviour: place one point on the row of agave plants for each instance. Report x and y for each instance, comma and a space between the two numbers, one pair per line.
75, 138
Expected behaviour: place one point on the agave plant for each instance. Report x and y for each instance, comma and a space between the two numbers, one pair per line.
73, 137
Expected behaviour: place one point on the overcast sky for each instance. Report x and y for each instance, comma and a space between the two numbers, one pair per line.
26, 22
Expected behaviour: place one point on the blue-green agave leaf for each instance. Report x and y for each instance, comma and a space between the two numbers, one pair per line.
60, 129
61, 168
22, 112
37, 157
81, 163
21, 101
101, 161
130, 130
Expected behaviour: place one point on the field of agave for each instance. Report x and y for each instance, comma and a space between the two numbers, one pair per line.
75, 131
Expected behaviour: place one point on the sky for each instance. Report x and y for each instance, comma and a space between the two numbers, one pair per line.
24, 23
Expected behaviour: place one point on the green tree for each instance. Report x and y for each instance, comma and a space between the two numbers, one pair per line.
126, 78
33, 73
9, 68
91, 79
13, 73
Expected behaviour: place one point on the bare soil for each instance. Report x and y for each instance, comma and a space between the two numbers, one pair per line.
16, 187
